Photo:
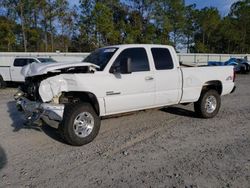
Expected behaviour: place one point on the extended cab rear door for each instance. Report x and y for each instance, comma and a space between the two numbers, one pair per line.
167, 77
134, 91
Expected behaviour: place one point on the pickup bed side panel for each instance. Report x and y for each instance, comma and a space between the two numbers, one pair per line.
196, 77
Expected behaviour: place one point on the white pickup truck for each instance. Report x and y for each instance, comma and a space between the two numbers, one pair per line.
11, 71
115, 80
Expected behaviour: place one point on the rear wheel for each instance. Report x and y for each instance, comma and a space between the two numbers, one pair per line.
208, 105
80, 124
2, 83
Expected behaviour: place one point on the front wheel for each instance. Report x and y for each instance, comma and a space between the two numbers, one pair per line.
208, 105
80, 124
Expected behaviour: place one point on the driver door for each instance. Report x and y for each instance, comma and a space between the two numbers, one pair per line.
133, 91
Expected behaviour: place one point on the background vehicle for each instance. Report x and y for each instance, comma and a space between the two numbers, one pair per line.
115, 80
12, 72
240, 65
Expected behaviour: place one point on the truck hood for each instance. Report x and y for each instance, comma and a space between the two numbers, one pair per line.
35, 69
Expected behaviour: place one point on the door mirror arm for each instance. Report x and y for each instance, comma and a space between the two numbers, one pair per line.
114, 69
124, 67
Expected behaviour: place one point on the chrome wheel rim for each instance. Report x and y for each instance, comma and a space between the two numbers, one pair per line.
83, 124
211, 104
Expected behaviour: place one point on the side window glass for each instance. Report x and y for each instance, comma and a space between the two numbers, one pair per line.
162, 58
139, 59
20, 62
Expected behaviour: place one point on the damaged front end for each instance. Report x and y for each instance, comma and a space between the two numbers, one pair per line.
51, 114
38, 97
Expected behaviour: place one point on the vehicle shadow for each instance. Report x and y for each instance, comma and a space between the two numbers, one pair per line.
52, 133
18, 121
3, 158
179, 111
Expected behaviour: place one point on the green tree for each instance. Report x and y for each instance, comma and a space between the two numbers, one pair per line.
18, 8
103, 18
208, 20
66, 18
228, 37
162, 22
190, 25
86, 39
46, 25
240, 14
6, 34
176, 12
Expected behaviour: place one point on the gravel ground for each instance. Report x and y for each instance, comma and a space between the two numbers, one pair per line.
157, 148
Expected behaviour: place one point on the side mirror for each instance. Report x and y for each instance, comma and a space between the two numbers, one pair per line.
126, 66
114, 69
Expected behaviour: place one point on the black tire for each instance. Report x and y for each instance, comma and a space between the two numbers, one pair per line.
201, 108
2, 83
247, 68
244, 69
67, 129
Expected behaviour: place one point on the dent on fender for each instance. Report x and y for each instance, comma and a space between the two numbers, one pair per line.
54, 86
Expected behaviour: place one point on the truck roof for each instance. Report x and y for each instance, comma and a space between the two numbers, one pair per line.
140, 45
29, 57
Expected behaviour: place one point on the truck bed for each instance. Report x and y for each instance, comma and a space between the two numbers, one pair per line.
195, 77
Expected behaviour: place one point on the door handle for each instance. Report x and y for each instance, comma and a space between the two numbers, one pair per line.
109, 93
148, 78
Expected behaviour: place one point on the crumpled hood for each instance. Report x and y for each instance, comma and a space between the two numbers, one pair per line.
35, 69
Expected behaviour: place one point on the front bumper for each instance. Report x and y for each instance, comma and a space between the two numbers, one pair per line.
51, 114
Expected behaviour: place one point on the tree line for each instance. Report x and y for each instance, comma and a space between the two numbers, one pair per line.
50, 25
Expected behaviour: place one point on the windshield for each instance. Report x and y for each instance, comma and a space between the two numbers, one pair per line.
47, 60
101, 57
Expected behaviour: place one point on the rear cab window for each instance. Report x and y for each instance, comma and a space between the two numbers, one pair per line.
20, 62
162, 59
138, 56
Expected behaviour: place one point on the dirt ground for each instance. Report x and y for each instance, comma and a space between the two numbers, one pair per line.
157, 148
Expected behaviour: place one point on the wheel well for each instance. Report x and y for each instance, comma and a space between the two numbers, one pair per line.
74, 97
215, 85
